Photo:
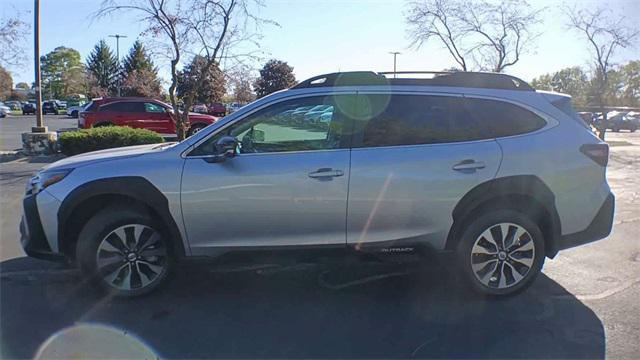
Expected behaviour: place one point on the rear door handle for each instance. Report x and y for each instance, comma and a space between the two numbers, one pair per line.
469, 165
325, 173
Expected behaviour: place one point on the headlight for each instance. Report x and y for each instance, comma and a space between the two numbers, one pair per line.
45, 179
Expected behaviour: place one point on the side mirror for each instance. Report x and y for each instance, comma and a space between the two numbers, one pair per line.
225, 148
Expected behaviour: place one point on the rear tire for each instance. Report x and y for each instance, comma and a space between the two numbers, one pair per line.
195, 128
125, 251
501, 252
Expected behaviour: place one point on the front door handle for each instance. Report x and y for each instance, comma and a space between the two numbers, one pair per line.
325, 173
469, 165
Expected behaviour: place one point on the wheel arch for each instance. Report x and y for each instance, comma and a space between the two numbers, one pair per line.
526, 193
86, 200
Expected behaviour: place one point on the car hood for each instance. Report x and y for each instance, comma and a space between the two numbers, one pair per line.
106, 155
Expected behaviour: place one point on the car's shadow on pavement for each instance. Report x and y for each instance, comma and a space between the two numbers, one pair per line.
305, 311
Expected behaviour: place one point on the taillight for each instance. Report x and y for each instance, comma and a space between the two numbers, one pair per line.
596, 152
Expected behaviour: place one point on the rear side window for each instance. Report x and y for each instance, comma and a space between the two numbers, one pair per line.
391, 120
501, 119
123, 107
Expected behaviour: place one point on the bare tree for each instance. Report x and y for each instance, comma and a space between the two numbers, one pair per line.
478, 34
13, 33
604, 33
209, 28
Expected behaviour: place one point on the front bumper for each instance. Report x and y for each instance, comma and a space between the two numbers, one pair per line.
32, 236
599, 228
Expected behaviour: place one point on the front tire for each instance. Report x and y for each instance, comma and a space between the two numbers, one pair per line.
125, 251
501, 252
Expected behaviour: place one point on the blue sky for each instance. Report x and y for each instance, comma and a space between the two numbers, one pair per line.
316, 36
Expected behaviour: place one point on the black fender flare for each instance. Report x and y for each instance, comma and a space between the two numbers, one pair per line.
521, 185
135, 187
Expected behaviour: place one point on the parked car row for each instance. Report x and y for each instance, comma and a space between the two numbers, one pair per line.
616, 120
215, 109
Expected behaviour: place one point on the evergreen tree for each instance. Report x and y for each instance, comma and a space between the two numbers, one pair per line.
103, 68
213, 87
137, 59
275, 75
139, 74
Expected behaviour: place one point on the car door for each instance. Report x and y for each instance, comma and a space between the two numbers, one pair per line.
114, 113
287, 185
414, 157
156, 118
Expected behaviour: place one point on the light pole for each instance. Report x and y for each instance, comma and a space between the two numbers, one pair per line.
39, 128
394, 53
118, 36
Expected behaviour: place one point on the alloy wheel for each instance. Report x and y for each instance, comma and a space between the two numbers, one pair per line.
502, 255
132, 257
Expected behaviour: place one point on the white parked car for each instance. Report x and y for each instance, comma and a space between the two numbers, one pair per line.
4, 110
74, 111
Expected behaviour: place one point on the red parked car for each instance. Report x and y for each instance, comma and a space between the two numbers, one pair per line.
141, 113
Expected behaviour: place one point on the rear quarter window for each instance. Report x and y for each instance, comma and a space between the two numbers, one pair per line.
500, 119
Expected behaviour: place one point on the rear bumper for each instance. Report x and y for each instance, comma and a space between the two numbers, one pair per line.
598, 229
32, 236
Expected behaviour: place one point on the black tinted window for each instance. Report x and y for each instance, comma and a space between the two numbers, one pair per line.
503, 119
123, 107
416, 119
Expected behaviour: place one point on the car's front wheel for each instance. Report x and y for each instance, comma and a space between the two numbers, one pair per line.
501, 252
125, 251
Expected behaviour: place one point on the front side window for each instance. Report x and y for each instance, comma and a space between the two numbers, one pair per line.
303, 124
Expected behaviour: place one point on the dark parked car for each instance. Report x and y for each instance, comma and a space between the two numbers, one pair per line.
217, 109
617, 121
50, 107
29, 108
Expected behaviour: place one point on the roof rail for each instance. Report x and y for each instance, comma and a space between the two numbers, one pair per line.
441, 78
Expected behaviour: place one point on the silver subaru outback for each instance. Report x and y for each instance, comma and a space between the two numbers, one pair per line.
477, 165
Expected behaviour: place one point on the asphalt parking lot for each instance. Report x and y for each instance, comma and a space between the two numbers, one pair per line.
584, 305
12, 126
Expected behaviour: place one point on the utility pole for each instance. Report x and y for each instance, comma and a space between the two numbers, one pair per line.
39, 128
118, 36
394, 53
39, 141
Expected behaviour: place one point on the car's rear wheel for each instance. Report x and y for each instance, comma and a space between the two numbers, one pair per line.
125, 251
501, 252
195, 128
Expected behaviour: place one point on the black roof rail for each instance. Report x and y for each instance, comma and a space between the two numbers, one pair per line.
351, 78
441, 78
